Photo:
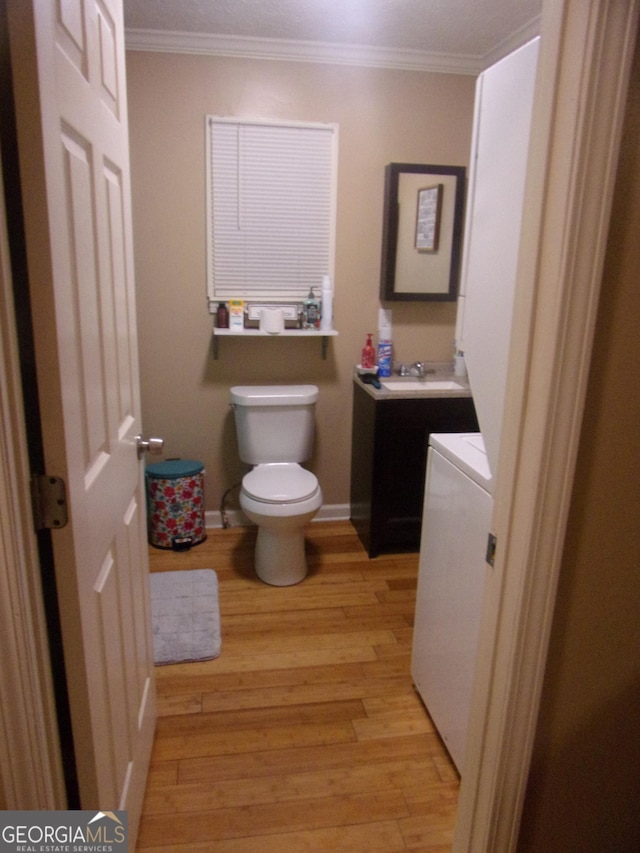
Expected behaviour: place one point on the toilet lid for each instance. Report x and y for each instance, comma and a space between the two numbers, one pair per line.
280, 482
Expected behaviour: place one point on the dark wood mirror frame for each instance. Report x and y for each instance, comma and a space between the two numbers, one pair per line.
441, 273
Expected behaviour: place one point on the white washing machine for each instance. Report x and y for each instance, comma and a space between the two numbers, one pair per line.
451, 581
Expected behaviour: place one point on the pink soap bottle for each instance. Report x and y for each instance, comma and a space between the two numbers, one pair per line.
368, 353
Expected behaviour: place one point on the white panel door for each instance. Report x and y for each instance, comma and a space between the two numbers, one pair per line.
69, 80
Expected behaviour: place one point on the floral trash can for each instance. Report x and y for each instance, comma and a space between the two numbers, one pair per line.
175, 504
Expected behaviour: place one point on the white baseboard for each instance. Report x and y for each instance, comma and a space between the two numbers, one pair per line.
236, 518
334, 512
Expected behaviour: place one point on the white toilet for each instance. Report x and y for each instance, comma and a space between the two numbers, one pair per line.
274, 424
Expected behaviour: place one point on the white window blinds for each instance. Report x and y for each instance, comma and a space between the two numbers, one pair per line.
271, 208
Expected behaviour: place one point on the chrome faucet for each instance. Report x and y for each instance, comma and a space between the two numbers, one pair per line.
416, 369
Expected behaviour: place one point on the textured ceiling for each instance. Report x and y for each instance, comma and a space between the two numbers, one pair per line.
472, 28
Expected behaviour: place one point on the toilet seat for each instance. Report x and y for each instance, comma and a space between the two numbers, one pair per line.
280, 482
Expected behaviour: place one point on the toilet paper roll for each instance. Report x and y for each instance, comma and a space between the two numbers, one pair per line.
272, 321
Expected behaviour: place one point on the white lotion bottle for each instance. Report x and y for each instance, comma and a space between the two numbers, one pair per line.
326, 318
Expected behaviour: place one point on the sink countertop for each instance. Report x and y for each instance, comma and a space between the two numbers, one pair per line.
442, 372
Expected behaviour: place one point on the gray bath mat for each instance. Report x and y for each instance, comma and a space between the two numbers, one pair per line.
185, 616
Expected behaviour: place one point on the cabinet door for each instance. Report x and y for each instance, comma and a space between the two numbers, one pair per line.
503, 110
362, 463
402, 433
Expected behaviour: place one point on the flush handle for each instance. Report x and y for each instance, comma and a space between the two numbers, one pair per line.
148, 445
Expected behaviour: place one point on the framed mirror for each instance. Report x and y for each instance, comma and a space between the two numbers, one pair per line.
422, 232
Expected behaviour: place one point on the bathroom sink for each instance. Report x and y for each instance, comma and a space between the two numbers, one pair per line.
421, 385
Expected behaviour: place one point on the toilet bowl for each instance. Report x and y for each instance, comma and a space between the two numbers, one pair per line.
280, 498
275, 428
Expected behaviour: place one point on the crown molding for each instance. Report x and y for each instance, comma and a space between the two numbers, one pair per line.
521, 36
301, 51
246, 47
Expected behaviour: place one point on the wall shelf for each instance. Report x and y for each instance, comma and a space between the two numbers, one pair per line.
288, 333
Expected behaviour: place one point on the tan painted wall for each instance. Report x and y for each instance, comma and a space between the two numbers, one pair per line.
383, 116
584, 784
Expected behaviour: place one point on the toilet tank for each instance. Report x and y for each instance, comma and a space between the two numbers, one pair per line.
274, 423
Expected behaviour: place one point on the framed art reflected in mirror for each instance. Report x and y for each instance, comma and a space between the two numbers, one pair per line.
422, 232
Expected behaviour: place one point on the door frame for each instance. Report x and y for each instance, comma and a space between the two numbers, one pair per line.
549, 368
586, 52
31, 775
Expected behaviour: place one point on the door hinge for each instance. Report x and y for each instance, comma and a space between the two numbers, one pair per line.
491, 549
49, 499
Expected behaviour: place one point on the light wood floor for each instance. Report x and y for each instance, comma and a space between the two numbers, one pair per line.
306, 734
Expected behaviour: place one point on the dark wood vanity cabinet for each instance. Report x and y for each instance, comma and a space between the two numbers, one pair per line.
388, 464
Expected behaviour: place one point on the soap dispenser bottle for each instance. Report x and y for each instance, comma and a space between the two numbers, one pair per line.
311, 312
368, 359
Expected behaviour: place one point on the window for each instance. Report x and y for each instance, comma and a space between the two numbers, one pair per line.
271, 203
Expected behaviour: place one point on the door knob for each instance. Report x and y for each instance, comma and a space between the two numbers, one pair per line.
148, 445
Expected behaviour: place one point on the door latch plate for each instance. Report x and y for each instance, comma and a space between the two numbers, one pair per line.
492, 543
